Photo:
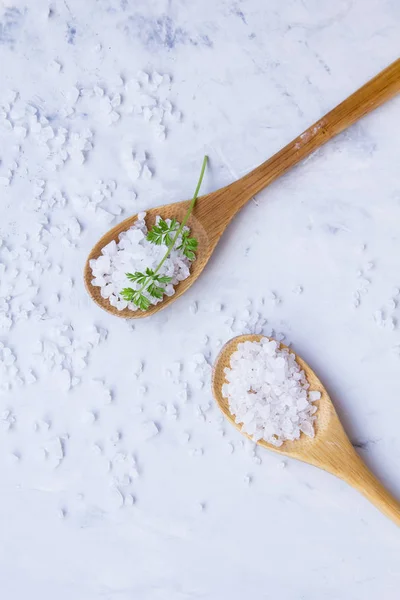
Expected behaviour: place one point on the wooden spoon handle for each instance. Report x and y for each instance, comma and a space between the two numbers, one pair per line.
374, 93
360, 477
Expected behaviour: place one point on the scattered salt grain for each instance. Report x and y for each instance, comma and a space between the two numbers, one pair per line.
55, 451
268, 393
130, 500
196, 452
118, 497
116, 437
150, 430
172, 411
184, 437
391, 323
147, 173
15, 457
96, 449
89, 417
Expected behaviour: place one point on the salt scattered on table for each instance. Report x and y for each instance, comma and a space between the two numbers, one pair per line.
150, 430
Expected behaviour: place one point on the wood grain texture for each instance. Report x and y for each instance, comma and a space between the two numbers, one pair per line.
214, 211
330, 449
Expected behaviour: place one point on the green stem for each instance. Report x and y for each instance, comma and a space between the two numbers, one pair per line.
189, 212
182, 225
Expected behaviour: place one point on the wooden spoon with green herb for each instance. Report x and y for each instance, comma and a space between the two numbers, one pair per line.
212, 214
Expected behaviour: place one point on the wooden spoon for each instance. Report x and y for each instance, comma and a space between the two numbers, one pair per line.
330, 449
214, 211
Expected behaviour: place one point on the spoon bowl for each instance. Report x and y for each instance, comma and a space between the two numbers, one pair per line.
169, 211
213, 212
330, 449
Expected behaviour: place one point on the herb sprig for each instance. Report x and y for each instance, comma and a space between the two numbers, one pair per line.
162, 233
151, 282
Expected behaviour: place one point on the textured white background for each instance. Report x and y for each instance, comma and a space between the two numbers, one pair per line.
248, 76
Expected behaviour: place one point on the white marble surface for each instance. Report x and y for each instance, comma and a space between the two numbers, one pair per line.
248, 76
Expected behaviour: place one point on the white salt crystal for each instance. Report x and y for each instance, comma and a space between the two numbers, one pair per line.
156, 78
99, 92
73, 95
143, 77
113, 117
30, 377
172, 411
115, 437
15, 457
55, 65
55, 451
183, 394
267, 392
130, 500
118, 497
176, 115
96, 449
147, 173
147, 113
196, 452
150, 430
89, 417
116, 100
184, 437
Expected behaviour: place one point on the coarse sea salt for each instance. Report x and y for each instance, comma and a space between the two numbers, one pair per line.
134, 253
268, 393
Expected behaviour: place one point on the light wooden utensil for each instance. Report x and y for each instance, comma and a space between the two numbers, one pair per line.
330, 449
213, 212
